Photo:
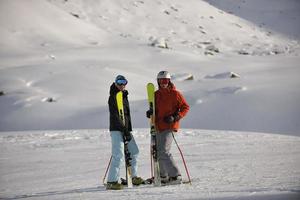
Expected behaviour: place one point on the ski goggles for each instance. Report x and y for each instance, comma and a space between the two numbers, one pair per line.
121, 82
163, 80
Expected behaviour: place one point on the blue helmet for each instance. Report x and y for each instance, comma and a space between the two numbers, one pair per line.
121, 80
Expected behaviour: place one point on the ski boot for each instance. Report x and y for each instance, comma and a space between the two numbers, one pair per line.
114, 186
175, 180
137, 181
164, 179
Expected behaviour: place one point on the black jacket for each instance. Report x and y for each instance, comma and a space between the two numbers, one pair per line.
115, 123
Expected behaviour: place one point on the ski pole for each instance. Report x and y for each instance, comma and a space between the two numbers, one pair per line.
106, 170
186, 169
151, 162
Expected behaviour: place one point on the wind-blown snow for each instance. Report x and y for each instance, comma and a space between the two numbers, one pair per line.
58, 59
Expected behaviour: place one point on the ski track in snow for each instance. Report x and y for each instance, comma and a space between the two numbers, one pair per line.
222, 164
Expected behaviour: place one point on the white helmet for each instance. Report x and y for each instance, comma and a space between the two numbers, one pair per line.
163, 74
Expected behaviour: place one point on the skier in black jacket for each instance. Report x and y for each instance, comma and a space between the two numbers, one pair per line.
117, 131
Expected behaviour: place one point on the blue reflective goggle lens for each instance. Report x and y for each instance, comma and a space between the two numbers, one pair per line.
121, 82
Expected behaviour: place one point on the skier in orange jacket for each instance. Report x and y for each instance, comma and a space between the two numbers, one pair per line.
170, 107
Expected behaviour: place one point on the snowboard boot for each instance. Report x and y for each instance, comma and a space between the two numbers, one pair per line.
114, 186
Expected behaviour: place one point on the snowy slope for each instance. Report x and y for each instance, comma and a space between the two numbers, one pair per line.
223, 165
31, 26
59, 57
191, 26
58, 62
267, 14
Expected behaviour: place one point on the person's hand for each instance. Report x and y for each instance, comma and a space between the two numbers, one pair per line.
149, 113
127, 136
176, 117
169, 119
172, 118
123, 129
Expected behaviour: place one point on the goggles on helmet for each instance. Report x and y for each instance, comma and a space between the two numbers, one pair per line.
121, 82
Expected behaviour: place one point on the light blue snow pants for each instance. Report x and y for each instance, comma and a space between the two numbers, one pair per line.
117, 149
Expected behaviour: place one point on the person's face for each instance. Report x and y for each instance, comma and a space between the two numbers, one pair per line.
121, 87
163, 82
121, 84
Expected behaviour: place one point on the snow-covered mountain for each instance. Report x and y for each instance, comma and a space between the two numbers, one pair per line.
236, 62
277, 16
194, 25
68, 53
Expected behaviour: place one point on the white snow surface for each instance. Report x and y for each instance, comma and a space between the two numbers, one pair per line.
58, 62
268, 14
222, 164
59, 57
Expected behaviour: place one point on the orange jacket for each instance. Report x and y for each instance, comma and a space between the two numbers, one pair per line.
167, 102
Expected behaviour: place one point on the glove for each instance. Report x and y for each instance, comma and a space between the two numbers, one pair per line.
149, 113
169, 119
176, 117
172, 118
127, 136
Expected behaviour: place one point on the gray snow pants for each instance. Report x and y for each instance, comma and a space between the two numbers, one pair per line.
166, 162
